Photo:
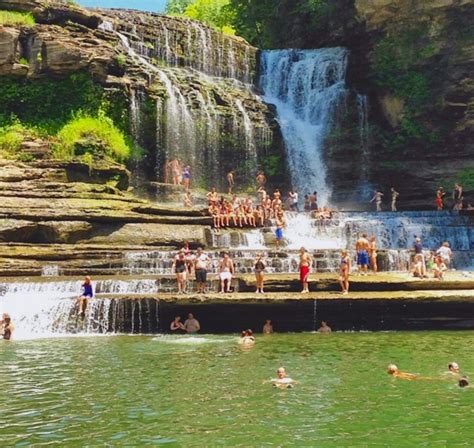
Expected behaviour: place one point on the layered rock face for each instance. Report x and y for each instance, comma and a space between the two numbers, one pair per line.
189, 87
438, 62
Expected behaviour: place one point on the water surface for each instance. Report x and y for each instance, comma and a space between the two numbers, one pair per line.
206, 390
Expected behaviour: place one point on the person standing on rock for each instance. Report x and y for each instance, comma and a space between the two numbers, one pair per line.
87, 293
261, 179
201, 266
280, 224
440, 194
259, 268
231, 180
344, 271
180, 267
362, 249
395, 195
378, 195
226, 270
305, 269
186, 177
373, 254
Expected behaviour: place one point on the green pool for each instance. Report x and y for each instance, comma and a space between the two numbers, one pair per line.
207, 391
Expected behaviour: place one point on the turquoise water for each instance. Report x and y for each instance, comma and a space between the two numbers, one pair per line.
207, 390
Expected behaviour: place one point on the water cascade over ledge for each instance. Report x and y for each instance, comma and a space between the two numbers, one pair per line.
307, 87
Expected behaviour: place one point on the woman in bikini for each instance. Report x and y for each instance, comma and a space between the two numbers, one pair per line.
180, 267
344, 270
373, 253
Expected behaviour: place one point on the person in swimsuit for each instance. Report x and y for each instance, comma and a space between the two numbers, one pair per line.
324, 328
261, 179
344, 270
201, 266
87, 293
439, 268
392, 370
373, 253
186, 177
187, 200
362, 248
6, 327
259, 268
177, 325
453, 368
395, 195
226, 270
175, 168
267, 327
191, 325
463, 382
378, 195
305, 268
445, 253
440, 193
231, 180
180, 267
313, 201
247, 338
282, 381
280, 223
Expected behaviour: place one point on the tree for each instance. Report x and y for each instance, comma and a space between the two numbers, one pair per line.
177, 6
214, 13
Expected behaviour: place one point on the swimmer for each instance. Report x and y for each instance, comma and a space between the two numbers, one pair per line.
282, 381
247, 338
362, 248
324, 328
453, 368
177, 324
392, 369
463, 382
268, 327
6, 327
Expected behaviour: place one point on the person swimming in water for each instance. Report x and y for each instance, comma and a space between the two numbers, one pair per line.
392, 369
247, 338
6, 327
282, 381
463, 382
453, 368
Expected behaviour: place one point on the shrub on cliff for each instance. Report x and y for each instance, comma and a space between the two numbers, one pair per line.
16, 18
86, 136
12, 137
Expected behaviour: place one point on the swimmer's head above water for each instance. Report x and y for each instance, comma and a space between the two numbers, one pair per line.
463, 382
453, 367
392, 369
281, 373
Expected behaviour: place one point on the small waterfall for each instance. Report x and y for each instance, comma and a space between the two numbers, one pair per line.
106, 26
363, 118
44, 309
307, 87
50, 271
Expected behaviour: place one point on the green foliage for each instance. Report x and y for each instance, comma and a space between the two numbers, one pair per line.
121, 59
271, 164
92, 137
16, 18
214, 13
48, 103
23, 61
11, 139
177, 6
466, 178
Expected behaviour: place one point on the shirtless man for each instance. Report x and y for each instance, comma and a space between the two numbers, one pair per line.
191, 325
261, 179
226, 270
280, 224
212, 196
305, 268
262, 195
378, 200
392, 369
282, 381
395, 195
268, 327
324, 328
362, 247
230, 180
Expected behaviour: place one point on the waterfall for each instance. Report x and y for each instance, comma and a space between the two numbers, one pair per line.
363, 122
307, 87
45, 309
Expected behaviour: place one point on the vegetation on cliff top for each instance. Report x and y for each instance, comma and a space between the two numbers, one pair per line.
16, 18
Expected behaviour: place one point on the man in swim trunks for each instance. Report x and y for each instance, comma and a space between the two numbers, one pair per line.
305, 268
280, 224
201, 265
362, 248
230, 180
226, 270
324, 328
191, 325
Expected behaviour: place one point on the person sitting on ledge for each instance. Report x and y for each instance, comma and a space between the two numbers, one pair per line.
439, 268
463, 382
268, 327
324, 328
282, 381
87, 292
392, 369
177, 324
6, 327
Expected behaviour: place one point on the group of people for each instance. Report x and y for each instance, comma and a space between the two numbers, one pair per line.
457, 198
438, 262
191, 325
453, 372
177, 173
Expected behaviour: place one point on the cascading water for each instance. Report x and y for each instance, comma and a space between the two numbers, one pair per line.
307, 87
